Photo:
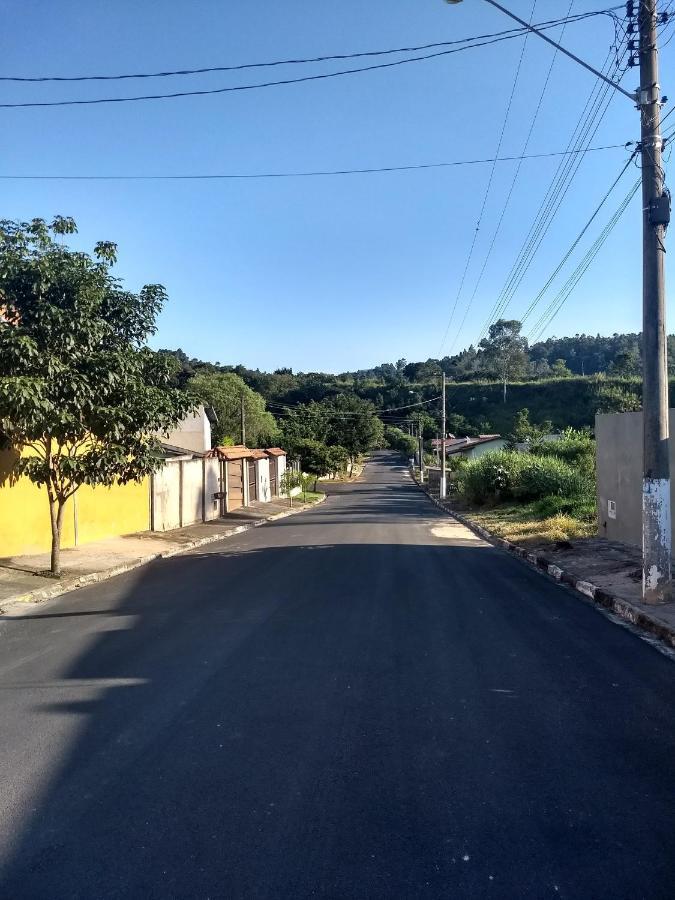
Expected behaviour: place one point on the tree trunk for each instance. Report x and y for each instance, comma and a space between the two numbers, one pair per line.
56, 508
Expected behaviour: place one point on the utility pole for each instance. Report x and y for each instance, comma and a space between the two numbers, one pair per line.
421, 448
243, 421
656, 533
656, 516
444, 489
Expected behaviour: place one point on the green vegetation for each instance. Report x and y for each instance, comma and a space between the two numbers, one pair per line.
225, 392
547, 493
400, 440
80, 392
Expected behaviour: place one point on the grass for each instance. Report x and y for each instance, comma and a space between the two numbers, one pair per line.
308, 497
524, 523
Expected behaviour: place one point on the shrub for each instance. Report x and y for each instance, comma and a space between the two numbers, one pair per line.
542, 476
491, 477
506, 475
582, 508
577, 448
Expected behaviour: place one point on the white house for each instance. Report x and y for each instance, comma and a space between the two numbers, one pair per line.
471, 447
194, 432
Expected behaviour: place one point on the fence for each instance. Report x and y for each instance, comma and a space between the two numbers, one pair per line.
183, 492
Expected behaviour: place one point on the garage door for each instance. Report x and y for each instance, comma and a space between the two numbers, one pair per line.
235, 484
252, 481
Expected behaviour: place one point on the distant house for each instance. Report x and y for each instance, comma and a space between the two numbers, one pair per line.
194, 432
471, 447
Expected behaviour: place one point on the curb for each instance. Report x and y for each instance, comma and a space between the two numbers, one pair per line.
41, 594
623, 609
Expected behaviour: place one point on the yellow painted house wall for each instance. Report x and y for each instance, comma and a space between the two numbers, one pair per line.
101, 512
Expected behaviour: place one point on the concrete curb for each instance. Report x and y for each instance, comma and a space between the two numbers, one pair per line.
41, 594
623, 609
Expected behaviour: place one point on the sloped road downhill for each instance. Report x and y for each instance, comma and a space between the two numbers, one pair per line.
360, 701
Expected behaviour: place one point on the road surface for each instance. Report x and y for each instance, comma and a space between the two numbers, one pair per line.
359, 701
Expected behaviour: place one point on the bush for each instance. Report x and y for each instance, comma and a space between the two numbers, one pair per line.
576, 448
397, 439
542, 476
507, 475
582, 507
491, 477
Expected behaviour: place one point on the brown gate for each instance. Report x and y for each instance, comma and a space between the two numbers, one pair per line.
252, 481
235, 484
274, 477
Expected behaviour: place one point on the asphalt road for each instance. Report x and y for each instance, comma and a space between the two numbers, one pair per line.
359, 701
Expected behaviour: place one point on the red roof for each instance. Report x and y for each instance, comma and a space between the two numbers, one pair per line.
275, 451
232, 453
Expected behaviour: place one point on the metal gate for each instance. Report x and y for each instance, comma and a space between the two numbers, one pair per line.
252, 481
235, 484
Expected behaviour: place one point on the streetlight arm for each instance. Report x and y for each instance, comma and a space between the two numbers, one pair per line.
559, 47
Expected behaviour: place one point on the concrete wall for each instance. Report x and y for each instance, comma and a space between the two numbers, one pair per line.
211, 486
193, 491
619, 469
166, 497
487, 447
92, 514
193, 433
263, 471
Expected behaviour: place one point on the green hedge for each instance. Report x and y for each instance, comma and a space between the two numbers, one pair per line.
509, 475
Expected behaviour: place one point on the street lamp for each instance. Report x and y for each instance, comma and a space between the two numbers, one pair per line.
656, 518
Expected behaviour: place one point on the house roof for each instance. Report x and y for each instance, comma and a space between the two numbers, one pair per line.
231, 453
258, 454
275, 451
459, 445
172, 451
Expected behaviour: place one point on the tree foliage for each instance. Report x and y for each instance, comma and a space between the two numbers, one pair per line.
80, 393
224, 391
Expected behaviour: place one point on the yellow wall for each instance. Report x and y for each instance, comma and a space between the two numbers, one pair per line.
101, 512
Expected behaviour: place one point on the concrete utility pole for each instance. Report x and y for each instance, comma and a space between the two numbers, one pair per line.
656, 528
656, 516
420, 434
243, 421
444, 489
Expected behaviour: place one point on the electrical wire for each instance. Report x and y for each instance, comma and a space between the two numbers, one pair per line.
561, 297
267, 84
487, 188
307, 174
559, 267
551, 23
512, 186
589, 122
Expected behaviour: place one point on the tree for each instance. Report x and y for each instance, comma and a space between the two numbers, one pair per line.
401, 441
505, 350
315, 458
559, 369
353, 424
81, 395
224, 392
524, 431
625, 363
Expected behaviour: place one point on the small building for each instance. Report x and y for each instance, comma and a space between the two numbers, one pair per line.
471, 447
277, 467
194, 432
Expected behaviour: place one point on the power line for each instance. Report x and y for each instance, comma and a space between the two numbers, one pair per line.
559, 300
586, 128
311, 173
487, 188
514, 180
267, 84
33, 79
557, 270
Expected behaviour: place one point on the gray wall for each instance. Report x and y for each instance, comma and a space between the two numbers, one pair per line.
619, 465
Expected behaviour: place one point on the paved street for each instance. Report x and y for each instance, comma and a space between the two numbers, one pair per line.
360, 701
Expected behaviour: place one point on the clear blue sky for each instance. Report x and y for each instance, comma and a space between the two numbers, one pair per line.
324, 273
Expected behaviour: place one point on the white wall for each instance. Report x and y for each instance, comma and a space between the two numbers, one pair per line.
281, 468
193, 474
487, 447
166, 498
211, 486
263, 472
193, 433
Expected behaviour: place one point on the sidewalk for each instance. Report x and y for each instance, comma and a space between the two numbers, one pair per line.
21, 581
607, 572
